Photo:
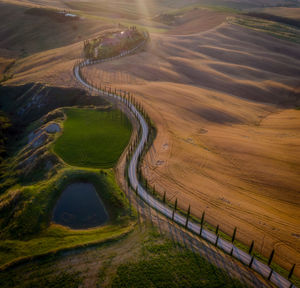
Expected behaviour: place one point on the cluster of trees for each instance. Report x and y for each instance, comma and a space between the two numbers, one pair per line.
87, 49
101, 47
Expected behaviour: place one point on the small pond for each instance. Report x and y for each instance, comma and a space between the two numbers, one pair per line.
80, 207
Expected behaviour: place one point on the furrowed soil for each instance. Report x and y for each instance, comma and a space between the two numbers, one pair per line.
228, 134
223, 99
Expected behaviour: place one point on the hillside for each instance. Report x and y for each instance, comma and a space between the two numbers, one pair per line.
221, 88
228, 135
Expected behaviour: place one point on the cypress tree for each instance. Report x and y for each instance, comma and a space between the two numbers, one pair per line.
202, 222
251, 261
233, 236
188, 216
271, 257
251, 247
292, 271
175, 207
270, 275
216, 244
217, 230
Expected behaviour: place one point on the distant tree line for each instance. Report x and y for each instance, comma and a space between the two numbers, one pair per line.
284, 20
100, 48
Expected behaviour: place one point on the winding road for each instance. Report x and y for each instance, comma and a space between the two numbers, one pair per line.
226, 246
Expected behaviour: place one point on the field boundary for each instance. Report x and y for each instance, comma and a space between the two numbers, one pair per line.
136, 151
26, 259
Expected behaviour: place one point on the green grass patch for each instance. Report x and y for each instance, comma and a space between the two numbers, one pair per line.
60, 280
276, 29
165, 264
153, 261
31, 216
55, 239
93, 138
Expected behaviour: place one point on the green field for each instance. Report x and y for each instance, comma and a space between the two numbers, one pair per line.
150, 260
276, 29
166, 265
93, 138
27, 231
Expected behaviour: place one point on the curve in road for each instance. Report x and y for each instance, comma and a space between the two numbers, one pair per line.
226, 246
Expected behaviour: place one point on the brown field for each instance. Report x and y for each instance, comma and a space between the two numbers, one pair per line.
188, 23
228, 138
223, 101
289, 12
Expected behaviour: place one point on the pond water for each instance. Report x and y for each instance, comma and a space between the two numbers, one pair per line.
80, 207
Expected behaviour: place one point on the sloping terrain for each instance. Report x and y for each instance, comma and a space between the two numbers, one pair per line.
288, 12
33, 29
228, 134
223, 102
188, 23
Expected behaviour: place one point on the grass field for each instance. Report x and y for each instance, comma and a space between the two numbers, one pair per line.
144, 258
61, 280
27, 231
93, 138
164, 265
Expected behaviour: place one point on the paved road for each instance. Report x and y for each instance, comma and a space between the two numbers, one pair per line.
228, 247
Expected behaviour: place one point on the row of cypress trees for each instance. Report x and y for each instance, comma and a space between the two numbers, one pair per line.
128, 99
